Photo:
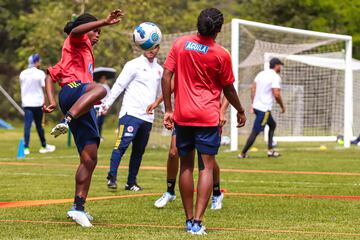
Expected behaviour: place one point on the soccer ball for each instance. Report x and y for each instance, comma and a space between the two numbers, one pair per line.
147, 36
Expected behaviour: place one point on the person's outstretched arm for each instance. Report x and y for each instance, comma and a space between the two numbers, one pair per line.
113, 18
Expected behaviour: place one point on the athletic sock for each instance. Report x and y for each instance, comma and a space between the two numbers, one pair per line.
68, 117
197, 222
171, 186
216, 190
79, 203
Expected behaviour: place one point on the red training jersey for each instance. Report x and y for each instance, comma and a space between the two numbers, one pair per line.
77, 61
202, 68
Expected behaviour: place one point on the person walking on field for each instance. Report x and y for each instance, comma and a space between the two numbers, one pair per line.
265, 88
78, 95
32, 84
202, 70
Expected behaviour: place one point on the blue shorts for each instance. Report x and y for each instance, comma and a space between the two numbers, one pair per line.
262, 118
85, 128
206, 140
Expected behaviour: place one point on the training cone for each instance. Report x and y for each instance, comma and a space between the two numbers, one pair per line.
21, 149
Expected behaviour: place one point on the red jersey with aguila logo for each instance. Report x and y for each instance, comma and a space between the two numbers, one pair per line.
202, 69
77, 61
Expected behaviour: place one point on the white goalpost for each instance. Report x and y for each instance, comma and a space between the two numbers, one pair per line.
317, 79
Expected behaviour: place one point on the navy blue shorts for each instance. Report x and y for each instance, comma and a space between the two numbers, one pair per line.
85, 128
262, 118
206, 140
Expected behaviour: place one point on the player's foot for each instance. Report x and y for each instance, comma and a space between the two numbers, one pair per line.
165, 198
188, 224
243, 155
133, 187
111, 182
273, 153
26, 151
86, 213
216, 202
48, 148
79, 217
60, 128
198, 229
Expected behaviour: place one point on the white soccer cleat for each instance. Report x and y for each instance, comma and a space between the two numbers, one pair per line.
216, 202
60, 128
80, 217
198, 229
165, 198
48, 148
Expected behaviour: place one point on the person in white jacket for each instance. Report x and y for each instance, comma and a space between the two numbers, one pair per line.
140, 79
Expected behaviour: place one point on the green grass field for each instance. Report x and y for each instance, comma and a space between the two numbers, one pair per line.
259, 204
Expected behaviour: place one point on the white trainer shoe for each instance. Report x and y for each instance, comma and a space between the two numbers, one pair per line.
216, 202
26, 151
60, 128
48, 148
198, 229
165, 198
80, 217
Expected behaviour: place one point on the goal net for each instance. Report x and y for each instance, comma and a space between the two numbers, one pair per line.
316, 78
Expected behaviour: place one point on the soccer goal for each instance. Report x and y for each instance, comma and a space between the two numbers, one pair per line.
317, 80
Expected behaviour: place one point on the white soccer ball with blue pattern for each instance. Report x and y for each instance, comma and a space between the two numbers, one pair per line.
147, 36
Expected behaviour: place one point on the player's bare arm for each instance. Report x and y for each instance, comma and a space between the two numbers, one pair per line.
113, 18
166, 90
50, 93
278, 98
223, 109
231, 95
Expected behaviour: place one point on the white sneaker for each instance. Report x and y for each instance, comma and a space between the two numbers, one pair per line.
26, 151
198, 229
86, 213
165, 198
47, 148
60, 128
80, 217
216, 202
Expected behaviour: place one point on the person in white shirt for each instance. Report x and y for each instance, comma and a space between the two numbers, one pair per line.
32, 83
265, 89
103, 80
140, 79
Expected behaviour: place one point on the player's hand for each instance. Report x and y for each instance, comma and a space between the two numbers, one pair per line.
168, 120
222, 119
114, 17
103, 109
251, 109
150, 108
283, 110
50, 108
241, 119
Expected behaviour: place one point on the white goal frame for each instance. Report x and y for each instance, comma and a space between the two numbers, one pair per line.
348, 85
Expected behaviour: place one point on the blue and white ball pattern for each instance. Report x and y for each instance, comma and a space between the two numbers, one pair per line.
147, 36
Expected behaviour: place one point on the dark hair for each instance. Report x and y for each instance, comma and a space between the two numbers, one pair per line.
210, 22
82, 19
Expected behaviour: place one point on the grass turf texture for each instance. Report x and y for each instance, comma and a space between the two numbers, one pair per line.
242, 217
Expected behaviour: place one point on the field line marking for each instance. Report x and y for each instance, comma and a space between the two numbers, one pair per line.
30, 203
228, 170
181, 227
